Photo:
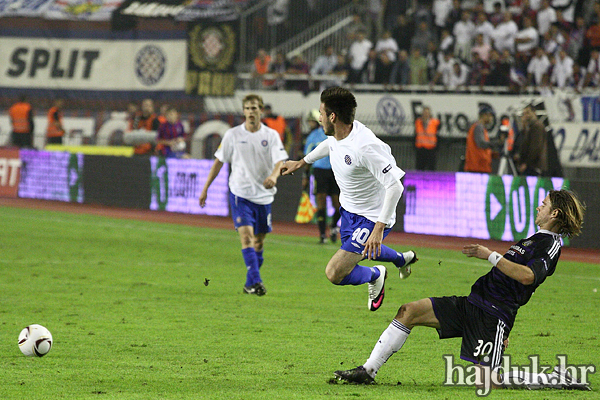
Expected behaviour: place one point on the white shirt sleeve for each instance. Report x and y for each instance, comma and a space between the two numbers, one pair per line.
392, 196
321, 151
224, 152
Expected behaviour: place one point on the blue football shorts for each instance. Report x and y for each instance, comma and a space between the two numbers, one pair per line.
355, 230
244, 213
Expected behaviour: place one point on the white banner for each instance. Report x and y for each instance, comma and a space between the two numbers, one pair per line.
578, 145
82, 64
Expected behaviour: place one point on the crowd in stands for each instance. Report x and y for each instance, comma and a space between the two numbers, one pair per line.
544, 44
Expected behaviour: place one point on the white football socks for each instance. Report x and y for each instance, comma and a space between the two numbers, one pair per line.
390, 341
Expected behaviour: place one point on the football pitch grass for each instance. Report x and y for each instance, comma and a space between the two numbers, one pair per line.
144, 310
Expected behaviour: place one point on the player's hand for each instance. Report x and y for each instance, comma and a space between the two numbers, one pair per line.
289, 167
476, 250
203, 197
372, 248
270, 182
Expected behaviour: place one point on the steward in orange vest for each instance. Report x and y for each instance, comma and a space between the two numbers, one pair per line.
146, 120
21, 118
426, 131
55, 130
478, 156
275, 121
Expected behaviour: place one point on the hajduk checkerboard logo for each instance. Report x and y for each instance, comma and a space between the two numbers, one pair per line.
150, 65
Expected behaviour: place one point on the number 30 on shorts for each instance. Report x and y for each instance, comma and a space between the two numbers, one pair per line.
482, 348
360, 235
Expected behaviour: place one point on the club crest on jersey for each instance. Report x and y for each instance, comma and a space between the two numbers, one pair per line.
347, 160
527, 243
264, 143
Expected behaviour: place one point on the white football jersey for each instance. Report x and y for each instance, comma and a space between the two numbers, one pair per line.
363, 166
252, 156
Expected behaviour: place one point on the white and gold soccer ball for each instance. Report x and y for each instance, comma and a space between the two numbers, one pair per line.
35, 340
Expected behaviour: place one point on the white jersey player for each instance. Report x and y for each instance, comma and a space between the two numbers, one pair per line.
370, 189
255, 153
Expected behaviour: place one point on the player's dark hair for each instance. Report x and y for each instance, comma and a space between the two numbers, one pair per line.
341, 102
252, 97
570, 211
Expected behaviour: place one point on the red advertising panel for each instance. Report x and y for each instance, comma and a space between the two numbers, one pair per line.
10, 172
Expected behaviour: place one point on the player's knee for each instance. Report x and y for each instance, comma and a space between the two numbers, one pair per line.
405, 313
333, 275
247, 241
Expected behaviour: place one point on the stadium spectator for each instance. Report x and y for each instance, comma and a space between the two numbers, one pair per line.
531, 146
370, 190
400, 74
576, 38
545, 17
421, 38
441, 9
324, 65
21, 121
458, 76
279, 67
526, 41
592, 75
593, 32
566, 8
482, 48
255, 153
387, 44
275, 122
562, 71
341, 69
444, 70
500, 67
553, 40
162, 113
576, 81
487, 315
261, 66
403, 32
55, 130
433, 58
351, 31
324, 181
358, 55
478, 156
377, 69
463, 32
484, 27
479, 71
147, 120
562, 23
497, 16
298, 67
446, 42
528, 11
418, 68
538, 68
454, 15
504, 34
426, 133
170, 141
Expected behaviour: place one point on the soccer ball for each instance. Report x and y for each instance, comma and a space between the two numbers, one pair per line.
35, 340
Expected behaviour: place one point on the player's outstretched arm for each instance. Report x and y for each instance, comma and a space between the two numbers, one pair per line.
212, 174
271, 180
518, 272
289, 167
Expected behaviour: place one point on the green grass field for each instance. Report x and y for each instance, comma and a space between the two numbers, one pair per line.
132, 318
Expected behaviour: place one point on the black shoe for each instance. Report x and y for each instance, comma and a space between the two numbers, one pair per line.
357, 375
333, 234
258, 289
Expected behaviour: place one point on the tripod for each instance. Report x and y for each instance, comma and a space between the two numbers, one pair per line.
506, 162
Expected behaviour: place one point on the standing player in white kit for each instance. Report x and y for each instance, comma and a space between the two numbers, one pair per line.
370, 187
255, 153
